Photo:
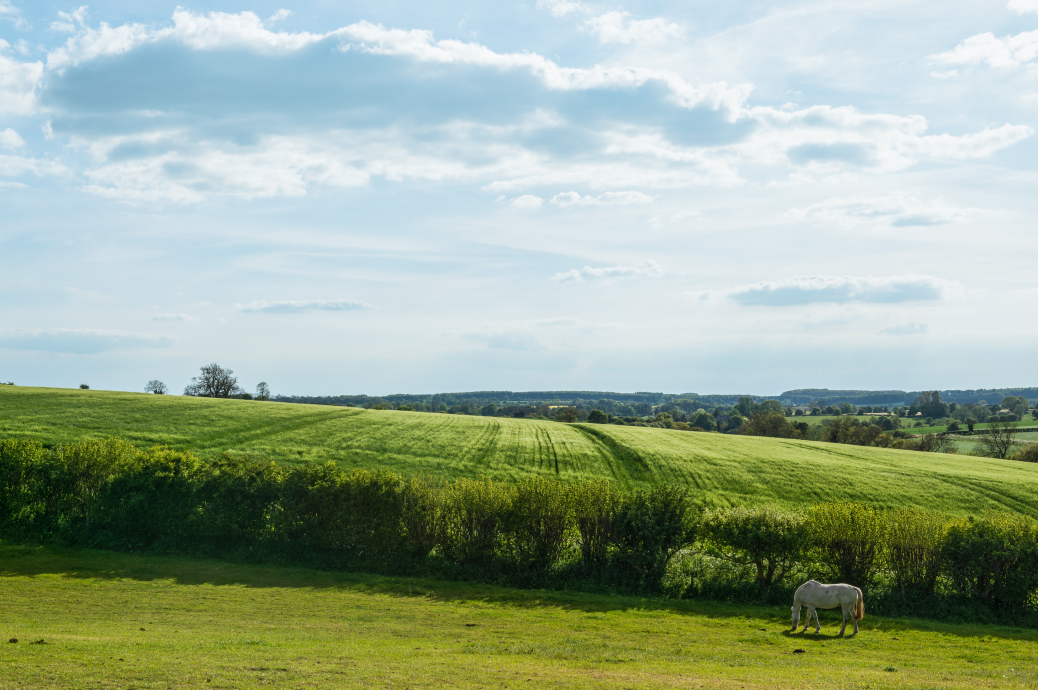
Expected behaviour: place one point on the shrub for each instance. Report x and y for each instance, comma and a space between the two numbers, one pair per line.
994, 558
649, 528
595, 503
848, 538
1028, 453
915, 548
536, 525
770, 539
597, 417
470, 523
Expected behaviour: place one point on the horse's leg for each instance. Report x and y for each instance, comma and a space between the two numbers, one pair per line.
814, 612
854, 616
818, 624
807, 621
843, 609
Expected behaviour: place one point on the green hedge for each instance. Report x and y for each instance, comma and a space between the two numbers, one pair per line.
537, 532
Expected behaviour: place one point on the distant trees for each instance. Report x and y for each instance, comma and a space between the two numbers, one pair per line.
85, 387
155, 386
567, 414
931, 404
772, 424
213, 382
1017, 405
262, 391
597, 417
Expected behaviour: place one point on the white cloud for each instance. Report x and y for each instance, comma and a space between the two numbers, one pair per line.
18, 82
13, 166
9, 139
618, 27
913, 328
1024, 6
174, 317
644, 269
246, 31
1011, 51
79, 340
298, 306
527, 202
897, 210
560, 8
278, 16
69, 22
565, 199
840, 289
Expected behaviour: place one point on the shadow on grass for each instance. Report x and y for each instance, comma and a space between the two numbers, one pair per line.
37, 561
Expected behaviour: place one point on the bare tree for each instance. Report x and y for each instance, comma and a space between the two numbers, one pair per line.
155, 386
213, 382
998, 440
262, 391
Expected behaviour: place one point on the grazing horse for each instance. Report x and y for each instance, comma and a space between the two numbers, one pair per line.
815, 595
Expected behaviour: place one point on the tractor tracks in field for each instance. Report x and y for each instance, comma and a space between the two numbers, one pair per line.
625, 463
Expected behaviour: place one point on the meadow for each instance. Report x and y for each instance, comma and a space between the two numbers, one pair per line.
722, 470
105, 620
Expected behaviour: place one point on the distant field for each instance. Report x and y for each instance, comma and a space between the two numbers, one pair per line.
94, 619
723, 470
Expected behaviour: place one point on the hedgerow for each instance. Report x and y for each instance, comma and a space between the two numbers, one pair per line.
534, 533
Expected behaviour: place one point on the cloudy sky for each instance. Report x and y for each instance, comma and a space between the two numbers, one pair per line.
393, 197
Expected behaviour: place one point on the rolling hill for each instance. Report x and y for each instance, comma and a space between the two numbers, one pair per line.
724, 470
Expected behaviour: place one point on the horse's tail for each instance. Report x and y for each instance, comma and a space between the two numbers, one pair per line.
859, 605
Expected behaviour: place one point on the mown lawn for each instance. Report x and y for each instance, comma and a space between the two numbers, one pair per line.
721, 469
111, 620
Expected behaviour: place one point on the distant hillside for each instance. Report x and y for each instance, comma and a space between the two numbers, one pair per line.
719, 469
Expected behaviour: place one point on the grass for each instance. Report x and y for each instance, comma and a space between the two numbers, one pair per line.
722, 470
124, 621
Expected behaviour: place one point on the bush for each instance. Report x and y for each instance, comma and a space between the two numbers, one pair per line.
848, 538
649, 528
994, 558
536, 526
471, 518
770, 539
597, 417
915, 548
1028, 453
595, 503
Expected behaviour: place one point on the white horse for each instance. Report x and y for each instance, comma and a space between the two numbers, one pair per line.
815, 595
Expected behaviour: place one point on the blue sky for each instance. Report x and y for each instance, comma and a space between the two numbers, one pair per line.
400, 197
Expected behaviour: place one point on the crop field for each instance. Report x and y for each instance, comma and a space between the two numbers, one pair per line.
722, 470
95, 619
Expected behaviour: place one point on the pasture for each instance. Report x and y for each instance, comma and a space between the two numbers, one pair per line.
722, 470
110, 620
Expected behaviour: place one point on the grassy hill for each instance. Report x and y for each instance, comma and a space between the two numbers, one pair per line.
725, 470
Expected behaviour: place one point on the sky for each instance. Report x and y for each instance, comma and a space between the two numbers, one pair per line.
403, 197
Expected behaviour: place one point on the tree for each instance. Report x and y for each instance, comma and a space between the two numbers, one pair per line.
567, 414
1016, 405
745, 407
772, 424
262, 391
155, 386
704, 420
84, 386
971, 422
213, 382
999, 440
597, 417
931, 404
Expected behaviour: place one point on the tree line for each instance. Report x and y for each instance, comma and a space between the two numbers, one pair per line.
537, 532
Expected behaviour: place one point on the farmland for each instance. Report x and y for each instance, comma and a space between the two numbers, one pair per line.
722, 470
196, 623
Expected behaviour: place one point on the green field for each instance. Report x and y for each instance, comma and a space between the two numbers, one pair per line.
111, 620
721, 469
